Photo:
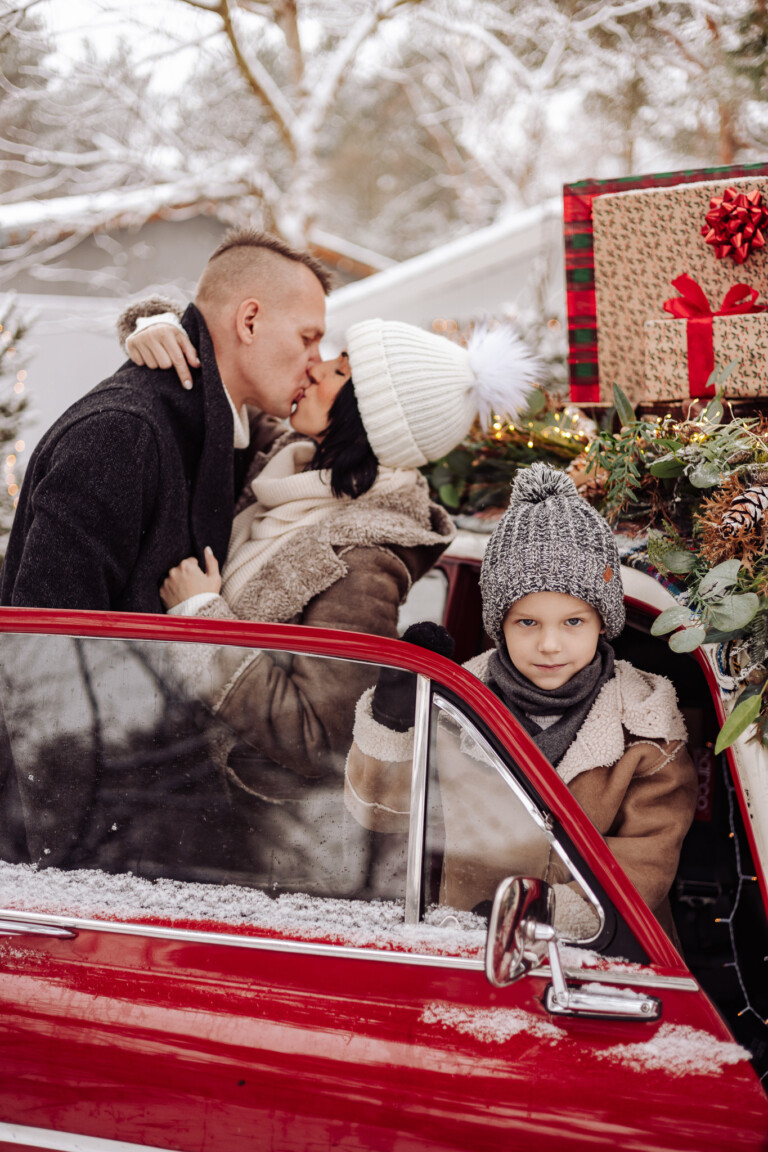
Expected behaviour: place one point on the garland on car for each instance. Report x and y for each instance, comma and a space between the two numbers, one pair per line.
699, 487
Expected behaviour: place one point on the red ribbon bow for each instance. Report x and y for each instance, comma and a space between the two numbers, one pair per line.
692, 306
734, 222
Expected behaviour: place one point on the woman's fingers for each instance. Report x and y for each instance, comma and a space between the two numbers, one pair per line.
164, 346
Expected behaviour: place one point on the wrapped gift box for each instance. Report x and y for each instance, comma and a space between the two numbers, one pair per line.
666, 367
626, 241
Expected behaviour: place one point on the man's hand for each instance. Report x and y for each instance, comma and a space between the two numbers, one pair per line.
188, 579
164, 346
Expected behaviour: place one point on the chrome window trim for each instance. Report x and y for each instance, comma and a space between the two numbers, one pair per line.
543, 822
262, 943
341, 951
413, 878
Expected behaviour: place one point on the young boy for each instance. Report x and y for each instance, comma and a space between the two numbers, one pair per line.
552, 601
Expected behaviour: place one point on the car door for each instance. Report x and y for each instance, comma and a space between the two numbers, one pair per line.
205, 949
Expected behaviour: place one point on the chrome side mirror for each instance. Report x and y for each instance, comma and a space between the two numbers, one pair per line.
521, 936
519, 930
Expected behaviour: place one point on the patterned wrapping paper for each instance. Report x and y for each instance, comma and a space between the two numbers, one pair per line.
578, 201
666, 355
643, 241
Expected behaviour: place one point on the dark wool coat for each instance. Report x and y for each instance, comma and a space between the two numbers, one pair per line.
134, 477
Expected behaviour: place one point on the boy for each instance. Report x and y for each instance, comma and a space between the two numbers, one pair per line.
552, 601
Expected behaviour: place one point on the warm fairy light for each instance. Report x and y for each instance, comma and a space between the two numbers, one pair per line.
557, 416
21, 374
19, 445
12, 489
18, 387
497, 426
530, 443
16, 502
10, 461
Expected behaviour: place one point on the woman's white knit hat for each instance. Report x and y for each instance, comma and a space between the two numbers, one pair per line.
419, 393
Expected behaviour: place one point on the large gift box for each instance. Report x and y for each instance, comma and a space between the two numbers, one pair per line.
630, 244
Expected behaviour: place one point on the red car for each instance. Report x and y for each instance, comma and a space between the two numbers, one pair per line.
205, 955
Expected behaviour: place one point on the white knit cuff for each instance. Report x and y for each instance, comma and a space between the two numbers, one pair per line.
160, 318
192, 605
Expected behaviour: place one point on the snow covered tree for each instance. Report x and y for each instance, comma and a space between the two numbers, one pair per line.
13, 402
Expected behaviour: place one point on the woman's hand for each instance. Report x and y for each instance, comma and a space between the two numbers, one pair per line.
188, 579
164, 346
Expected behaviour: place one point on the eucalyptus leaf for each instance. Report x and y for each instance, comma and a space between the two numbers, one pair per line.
715, 636
679, 562
719, 376
450, 495
744, 714
687, 640
624, 409
705, 475
666, 467
537, 402
714, 411
671, 618
720, 578
733, 612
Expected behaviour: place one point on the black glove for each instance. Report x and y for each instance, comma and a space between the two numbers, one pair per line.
394, 698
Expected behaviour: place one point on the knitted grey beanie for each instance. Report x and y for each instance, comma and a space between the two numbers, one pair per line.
550, 540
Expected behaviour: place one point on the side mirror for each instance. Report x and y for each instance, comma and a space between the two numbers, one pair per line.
519, 930
521, 935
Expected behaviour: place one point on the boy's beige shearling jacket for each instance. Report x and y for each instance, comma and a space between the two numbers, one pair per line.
628, 768
351, 571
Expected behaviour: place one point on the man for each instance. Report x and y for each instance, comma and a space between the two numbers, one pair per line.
139, 474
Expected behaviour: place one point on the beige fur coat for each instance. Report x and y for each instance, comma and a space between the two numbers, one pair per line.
351, 571
628, 767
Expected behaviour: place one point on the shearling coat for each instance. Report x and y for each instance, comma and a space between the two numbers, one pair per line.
133, 477
628, 767
352, 571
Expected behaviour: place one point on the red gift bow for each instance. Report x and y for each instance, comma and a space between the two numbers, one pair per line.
692, 305
734, 222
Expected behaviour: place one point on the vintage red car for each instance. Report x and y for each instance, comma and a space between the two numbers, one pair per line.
193, 959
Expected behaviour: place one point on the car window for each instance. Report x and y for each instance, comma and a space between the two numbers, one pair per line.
481, 827
185, 761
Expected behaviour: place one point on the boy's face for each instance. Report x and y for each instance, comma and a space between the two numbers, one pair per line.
550, 637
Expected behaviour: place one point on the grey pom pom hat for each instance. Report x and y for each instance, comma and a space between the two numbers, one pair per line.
550, 540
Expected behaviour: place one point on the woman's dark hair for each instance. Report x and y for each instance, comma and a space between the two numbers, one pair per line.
344, 449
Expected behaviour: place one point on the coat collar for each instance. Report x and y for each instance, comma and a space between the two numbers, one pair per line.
632, 703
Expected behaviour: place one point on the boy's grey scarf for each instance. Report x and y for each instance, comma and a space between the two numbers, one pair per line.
571, 702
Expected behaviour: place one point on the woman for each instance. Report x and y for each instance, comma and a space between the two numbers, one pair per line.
334, 527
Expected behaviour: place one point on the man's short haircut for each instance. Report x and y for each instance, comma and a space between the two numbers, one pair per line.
253, 238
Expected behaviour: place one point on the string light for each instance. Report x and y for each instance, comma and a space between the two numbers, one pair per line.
729, 920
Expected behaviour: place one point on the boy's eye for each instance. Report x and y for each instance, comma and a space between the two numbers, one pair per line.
575, 620
526, 623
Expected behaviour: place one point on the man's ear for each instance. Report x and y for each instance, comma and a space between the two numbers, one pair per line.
246, 318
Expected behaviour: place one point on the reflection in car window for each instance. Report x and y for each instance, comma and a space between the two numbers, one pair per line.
480, 829
212, 765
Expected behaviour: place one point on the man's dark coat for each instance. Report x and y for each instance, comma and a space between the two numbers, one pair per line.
134, 477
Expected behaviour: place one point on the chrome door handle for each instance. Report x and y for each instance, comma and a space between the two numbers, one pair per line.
31, 928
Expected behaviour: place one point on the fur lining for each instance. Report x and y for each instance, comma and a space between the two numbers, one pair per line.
309, 562
641, 702
575, 917
376, 740
152, 306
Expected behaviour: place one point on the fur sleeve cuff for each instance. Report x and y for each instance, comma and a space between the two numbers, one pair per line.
374, 739
152, 306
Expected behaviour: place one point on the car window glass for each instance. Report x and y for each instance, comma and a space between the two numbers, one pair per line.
481, 827
187, 762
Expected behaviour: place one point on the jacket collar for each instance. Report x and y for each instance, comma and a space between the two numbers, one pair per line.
632, 703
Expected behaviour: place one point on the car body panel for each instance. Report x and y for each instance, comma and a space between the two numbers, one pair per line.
194, 1037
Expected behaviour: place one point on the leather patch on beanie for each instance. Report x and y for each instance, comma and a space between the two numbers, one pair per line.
608, 574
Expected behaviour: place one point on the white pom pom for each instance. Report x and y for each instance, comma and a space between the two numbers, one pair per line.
505, 372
